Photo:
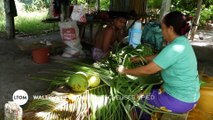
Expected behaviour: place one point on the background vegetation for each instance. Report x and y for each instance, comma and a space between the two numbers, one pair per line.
34, 11
30, 22
190, 6
30, 15
2, 22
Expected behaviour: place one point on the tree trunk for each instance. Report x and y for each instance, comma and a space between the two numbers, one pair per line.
10, 12
165, 8
196, 20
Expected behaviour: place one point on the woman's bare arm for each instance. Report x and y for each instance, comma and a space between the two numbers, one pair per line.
150, 58
148, 69
147, 58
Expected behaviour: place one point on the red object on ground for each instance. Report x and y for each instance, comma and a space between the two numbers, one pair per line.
40, 55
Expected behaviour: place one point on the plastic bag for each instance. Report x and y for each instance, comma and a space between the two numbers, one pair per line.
12, 111
79, 13
135, 34
69, 30
152, 34
70, 35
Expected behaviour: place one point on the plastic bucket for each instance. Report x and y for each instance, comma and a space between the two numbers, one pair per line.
40, 55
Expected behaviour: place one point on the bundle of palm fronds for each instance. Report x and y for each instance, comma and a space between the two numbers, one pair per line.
117, 95
127, 84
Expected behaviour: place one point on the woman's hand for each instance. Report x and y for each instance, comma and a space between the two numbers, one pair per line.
121, 69
134, 59
138, 59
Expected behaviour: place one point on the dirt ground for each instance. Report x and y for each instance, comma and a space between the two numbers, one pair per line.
16, 65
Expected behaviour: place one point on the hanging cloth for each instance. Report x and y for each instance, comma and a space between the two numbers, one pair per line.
12, 8
56, 8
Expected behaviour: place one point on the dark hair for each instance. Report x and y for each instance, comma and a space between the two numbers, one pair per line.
178, 21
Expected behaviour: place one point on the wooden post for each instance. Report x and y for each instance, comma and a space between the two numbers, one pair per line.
10, 12
64, 11
111, 5
97, 7
196, 20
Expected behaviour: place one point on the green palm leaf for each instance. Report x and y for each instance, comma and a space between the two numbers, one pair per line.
115, 98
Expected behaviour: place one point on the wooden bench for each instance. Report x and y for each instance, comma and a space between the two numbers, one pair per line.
174, 117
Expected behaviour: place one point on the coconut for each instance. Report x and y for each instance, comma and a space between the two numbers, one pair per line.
94, 80
83, 73
78, 82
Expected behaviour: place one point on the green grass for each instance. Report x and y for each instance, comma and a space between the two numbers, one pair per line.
32, 22
29, 22
2, 23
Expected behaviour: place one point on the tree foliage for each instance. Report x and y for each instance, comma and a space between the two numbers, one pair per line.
190, 6
207, 14
1, 7
104, 4
33, 5
187, 6
154, 4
